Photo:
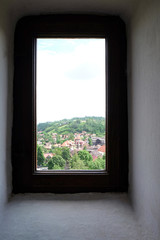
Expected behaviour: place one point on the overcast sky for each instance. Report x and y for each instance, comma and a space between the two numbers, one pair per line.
70, 78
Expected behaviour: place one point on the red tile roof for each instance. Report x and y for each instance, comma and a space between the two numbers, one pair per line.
67, 143
102, 149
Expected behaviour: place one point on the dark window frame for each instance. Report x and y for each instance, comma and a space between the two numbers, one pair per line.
25, 178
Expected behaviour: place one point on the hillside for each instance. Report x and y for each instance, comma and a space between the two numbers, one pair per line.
92, 125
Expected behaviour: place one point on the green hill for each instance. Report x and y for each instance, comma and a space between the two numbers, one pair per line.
92, 125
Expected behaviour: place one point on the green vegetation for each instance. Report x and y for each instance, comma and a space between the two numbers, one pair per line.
66, 153
90, 141
57, 162
79, 165
78, 134
92, 125
40, 156
85, 156
81, 161
98, 164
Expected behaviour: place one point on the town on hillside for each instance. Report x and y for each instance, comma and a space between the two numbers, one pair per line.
72, 151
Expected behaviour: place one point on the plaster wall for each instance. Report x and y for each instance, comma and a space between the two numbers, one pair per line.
144, 116
5, 109
20, 8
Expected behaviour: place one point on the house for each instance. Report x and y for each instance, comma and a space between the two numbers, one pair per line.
102, 150
68, 143
48, 145
80, 143
98, 140
57, 145
64, 136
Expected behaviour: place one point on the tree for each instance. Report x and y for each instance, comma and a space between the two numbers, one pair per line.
57, 167
59, 161
40, 156
58, 151
85, 156
75, 158
85, 148
50, 164
84, 138
90, 141
58, 139
71, 137
78, 121
99, 164
79, 164
66, 153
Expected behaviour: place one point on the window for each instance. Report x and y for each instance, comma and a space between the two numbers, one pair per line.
26, 178
70, 104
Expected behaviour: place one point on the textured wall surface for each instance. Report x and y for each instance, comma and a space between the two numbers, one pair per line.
144, 115
124, 8
70, 217
5, 109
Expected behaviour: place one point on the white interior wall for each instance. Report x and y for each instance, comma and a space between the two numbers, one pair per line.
144, 115
5, 108
20, 8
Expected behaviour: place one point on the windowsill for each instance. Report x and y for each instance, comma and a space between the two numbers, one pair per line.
70, 216
72, 172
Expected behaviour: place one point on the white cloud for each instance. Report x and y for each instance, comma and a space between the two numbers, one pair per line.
70, 83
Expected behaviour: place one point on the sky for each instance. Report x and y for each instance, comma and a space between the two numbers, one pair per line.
70, 78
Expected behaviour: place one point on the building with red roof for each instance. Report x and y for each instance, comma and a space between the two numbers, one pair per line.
68, 143
102, 149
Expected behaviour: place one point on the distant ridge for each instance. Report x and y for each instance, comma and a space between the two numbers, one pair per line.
93, 125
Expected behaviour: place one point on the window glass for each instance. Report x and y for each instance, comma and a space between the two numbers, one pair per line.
71, 105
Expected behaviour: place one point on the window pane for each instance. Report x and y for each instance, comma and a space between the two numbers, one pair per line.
70, 104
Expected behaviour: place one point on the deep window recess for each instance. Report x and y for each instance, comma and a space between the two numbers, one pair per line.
114, 176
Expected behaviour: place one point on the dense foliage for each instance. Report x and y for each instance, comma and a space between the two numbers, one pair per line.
79, 161
93, 125
40, 156
57, 162
51, 135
